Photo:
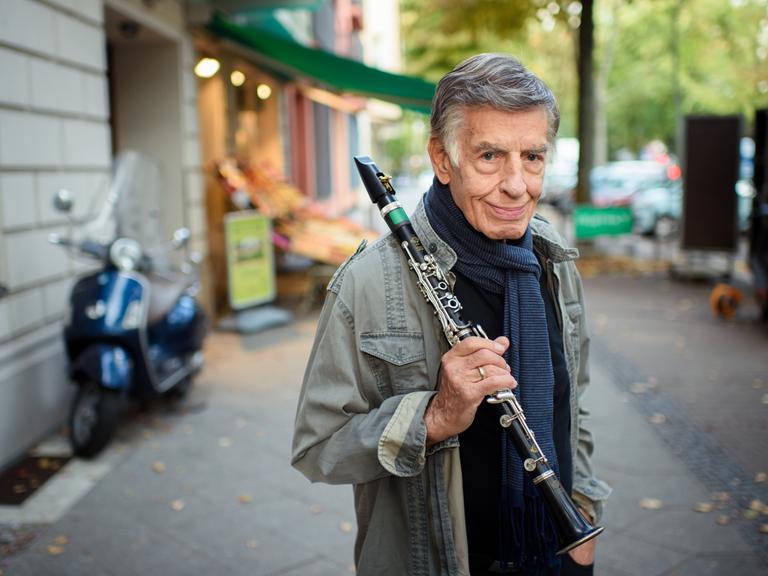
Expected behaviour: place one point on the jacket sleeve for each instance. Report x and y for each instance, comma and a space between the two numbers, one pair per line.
345, 432
589, 492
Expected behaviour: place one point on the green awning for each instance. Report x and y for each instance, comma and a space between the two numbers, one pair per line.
236, 6
343, 74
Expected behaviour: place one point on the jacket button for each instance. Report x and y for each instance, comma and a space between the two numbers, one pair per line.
433, 247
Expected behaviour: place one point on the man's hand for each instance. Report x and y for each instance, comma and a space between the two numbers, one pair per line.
470, 371
585, 554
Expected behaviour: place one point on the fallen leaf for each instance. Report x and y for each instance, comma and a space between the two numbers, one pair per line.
60, 540
55, 550
19, 488
158, 467
225, 442
657, 418
721, 496
765, 399
252, 544
750, 514
638, 388
245, 498
761, 477
653, 382
651, 503
757, 383
723, 520
763, 528
316, 509
704, 507
177, 505
345, 526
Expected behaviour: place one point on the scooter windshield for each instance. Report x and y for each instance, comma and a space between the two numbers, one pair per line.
132, 208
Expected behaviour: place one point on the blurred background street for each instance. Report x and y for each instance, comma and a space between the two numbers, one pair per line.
678, 405
167, 166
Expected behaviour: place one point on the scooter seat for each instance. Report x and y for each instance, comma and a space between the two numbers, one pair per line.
164, 291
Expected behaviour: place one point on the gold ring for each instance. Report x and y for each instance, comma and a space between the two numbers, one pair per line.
482, 372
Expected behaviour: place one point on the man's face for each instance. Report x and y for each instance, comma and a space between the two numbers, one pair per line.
498, 181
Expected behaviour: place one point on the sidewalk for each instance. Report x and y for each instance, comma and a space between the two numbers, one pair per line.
208, 489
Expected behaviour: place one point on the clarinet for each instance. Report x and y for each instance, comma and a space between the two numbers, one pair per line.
570, 525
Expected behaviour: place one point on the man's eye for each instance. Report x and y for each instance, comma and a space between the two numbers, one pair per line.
488, 156
534, 157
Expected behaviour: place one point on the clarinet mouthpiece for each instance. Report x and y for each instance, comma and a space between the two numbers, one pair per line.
369, 173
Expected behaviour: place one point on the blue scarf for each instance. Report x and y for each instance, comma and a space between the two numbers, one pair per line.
527, 538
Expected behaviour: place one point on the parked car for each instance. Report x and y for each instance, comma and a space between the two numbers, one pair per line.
616, 183
657, 211
561, 173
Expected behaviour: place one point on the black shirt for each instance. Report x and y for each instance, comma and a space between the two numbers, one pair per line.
481, 443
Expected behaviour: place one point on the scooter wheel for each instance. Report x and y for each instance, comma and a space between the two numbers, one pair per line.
93, 419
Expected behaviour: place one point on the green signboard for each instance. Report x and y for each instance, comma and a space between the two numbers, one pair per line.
591, 221
250, 259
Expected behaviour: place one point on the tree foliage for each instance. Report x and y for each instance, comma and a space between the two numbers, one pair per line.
643, 83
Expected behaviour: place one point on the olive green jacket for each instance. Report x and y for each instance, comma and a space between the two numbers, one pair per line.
371, 373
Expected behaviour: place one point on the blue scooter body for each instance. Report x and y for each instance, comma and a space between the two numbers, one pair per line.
110, 343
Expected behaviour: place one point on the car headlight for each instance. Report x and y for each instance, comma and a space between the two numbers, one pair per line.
125, 254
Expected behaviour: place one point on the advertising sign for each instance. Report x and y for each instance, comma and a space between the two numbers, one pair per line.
250, 259
591, 221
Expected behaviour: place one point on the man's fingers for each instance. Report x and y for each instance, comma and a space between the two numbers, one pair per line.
496, 381
474, 343
484, 356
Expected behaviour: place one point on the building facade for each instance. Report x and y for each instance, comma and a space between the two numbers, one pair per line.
80, 81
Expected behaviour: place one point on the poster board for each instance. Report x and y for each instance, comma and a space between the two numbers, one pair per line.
250, 259
711, 168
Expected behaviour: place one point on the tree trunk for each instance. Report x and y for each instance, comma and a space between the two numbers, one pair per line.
586, 102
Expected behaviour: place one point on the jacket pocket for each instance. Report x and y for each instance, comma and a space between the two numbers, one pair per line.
398, 361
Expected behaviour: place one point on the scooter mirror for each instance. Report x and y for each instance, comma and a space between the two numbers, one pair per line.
181, 237
63, 200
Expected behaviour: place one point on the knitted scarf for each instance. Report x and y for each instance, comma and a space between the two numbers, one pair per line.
527, 538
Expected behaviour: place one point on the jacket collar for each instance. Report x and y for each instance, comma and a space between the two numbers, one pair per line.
546, 240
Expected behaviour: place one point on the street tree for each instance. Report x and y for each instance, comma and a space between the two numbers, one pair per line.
441, 32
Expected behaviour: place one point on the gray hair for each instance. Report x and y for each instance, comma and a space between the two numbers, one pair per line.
495, 80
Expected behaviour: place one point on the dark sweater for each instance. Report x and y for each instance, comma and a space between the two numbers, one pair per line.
481, 443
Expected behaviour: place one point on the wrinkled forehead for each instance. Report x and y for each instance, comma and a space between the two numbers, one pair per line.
505, 129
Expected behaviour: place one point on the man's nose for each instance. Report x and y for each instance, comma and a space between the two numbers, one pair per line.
513, 182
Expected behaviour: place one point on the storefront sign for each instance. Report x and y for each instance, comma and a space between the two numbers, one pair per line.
591, 221
250, 259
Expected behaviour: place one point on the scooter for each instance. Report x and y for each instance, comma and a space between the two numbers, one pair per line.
135, 329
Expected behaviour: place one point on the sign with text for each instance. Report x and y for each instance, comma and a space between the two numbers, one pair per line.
250, 259
591, 221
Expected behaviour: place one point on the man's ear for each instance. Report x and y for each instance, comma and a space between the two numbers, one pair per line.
441, 163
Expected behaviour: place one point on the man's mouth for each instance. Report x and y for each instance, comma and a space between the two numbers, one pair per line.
509, 213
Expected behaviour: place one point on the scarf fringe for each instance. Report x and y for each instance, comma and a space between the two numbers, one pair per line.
527, 538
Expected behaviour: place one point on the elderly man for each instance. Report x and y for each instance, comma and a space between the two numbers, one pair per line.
388, 407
